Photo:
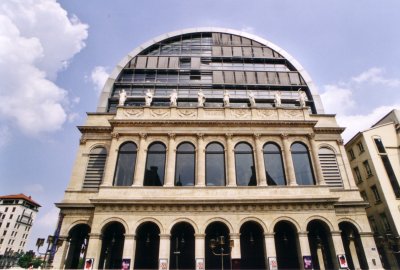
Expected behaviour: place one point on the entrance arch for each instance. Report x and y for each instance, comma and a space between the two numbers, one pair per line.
287, 245
321, 245
217, 243
78, 239
252, 248
352, 245
182, 248
112, 246
147, 246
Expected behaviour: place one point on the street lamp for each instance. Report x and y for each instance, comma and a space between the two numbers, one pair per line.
217, 244
52, 243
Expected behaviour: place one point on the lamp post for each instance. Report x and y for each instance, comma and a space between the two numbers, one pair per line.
51, 242
218, 244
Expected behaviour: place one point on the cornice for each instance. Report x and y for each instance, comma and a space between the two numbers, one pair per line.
328, 130
94, 129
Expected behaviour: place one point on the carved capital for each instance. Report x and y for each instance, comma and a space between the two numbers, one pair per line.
115, 135
311, 136
172, 136
143, 136
340, 141
284, 136
257, 136
229, 136
200, 136
83, 139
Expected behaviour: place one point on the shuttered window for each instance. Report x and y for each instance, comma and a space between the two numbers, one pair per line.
95, 168
330, 168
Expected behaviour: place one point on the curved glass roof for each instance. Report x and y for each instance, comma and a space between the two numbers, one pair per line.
214, 62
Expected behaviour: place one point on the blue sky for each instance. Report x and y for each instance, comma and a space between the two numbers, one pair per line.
54, 57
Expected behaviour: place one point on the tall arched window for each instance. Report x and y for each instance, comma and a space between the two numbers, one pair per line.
95, 168
125, 165
244, 164
155, 165
302, 164
215, 165
185, 163
329, 166
274, 165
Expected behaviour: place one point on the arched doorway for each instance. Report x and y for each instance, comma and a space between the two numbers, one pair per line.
78, 238
217, 246
182, 254
252, 246
320, 239
353, 247
112, 246
286, 245
147, 246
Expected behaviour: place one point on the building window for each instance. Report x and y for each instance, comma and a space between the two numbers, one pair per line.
367, 168
11, 216
4, 233
360, 147
8, 224
13, 209
302, 164
215, 165
185, 165
6, 209
274, 165
125, 168
329, 167
358, 174
95, 168
373, 224
388, 167
376, 193
351, 153
1, 241
385, 222
244, 165
364, 196
155, 165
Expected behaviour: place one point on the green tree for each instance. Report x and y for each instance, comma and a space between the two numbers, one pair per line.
28, 259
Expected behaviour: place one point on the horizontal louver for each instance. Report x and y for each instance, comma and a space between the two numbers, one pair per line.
330, 169
95, 170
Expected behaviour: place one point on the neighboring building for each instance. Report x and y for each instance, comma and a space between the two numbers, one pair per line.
211, 148
375, 159
17, 213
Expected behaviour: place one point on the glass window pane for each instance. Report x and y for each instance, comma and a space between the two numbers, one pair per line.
125, 165
243, 147
155, 165
185, 172
298, 147
270, 147
215, 147
302, 165
186, 147
245, 171
274, 165
215, 169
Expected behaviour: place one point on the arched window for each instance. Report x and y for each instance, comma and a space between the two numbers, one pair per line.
95, 168
185, 163
302, 164
330, 168
155, 165
215, 165
274, 165
125, 168
244, 164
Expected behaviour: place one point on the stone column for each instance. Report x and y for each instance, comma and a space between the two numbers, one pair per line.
94, 248
289, 169
231, 160
165, 242
315, 158
60, 256
304, 247
129, 248
235, 250
171, 158
201, 171
371, 252
111, 161
338, 246
140, 161
260, 172
344, 166
270, 250
200, 246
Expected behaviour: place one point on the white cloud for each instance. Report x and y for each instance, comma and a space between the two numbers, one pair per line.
37, 39
33, 188
357, 103
49, 219
4, 136
375, 75
99, 77
248, 29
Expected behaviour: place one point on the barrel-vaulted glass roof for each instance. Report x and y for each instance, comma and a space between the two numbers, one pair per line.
215, 61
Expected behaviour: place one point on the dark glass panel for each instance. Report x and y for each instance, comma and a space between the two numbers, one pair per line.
273, 165
125, 165
379, 145
185, 165
244, 164
155, 165
302, 165
215, 165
